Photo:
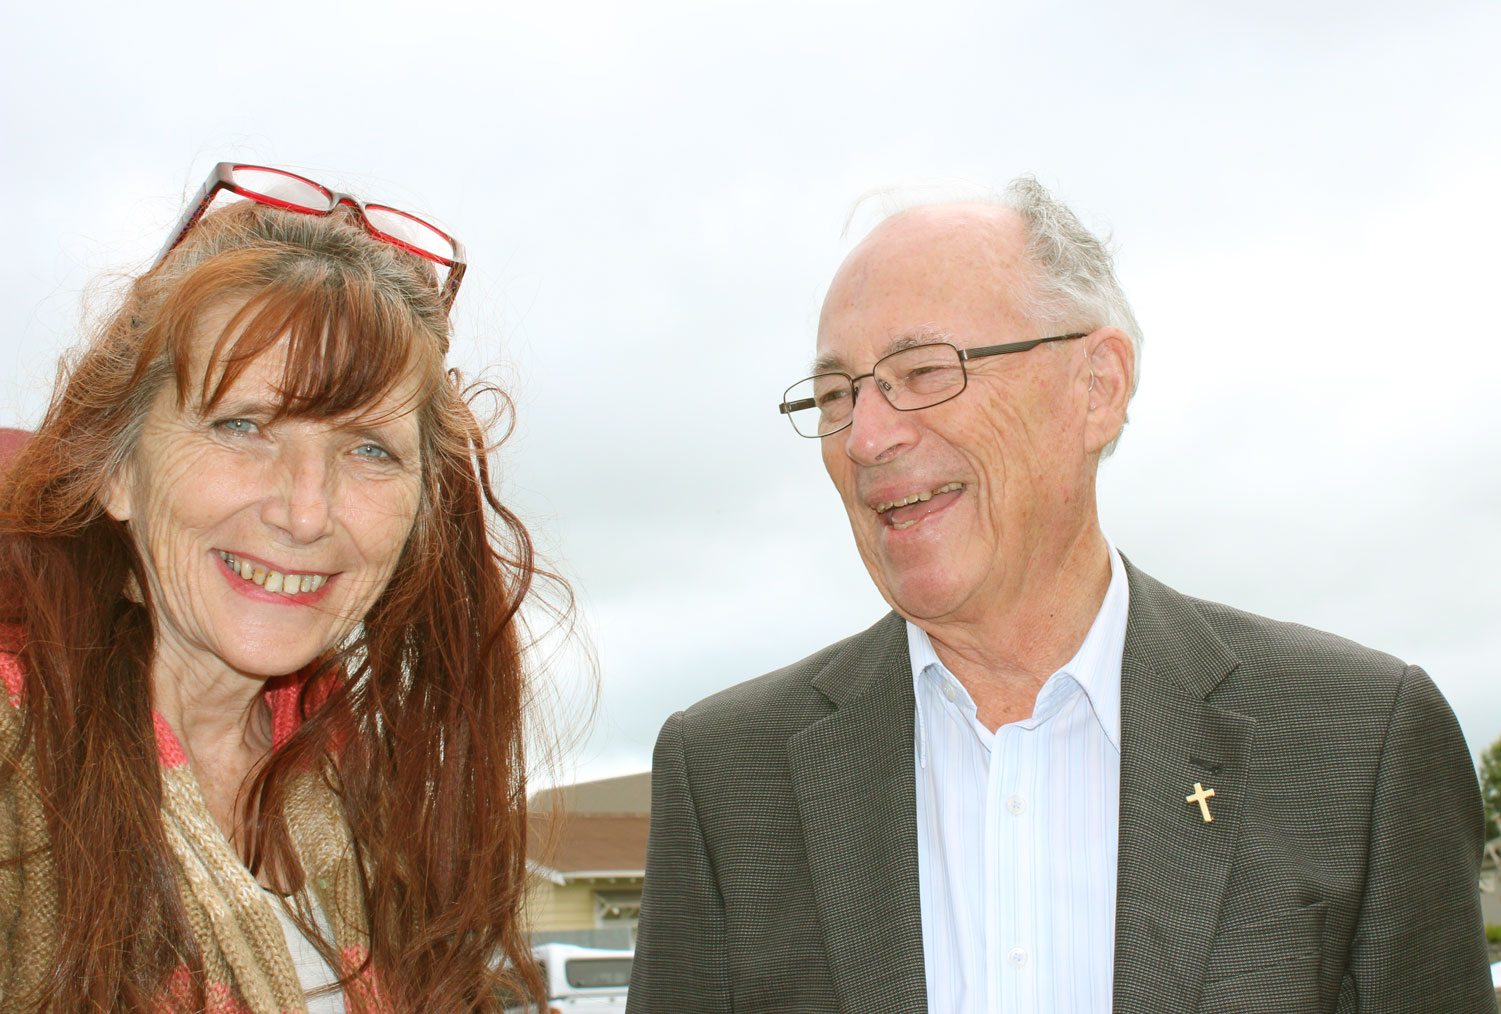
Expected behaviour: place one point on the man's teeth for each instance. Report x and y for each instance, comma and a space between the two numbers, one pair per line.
882, 508
274, 580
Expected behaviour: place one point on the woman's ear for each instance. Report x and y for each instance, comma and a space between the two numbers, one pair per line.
117, 499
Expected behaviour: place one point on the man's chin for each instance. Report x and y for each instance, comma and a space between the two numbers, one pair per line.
929, 596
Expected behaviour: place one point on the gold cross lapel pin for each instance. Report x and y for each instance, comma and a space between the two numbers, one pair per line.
1201, 796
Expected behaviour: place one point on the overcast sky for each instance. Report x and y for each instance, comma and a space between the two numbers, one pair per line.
1303, 198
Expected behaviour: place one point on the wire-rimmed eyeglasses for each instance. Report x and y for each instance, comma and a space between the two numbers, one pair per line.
919, 376
291, 192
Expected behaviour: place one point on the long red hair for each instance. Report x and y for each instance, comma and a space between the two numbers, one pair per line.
419, 714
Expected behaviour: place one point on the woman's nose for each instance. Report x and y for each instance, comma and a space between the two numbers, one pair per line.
301, 500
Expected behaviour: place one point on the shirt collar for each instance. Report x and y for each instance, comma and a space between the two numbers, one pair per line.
1096, 666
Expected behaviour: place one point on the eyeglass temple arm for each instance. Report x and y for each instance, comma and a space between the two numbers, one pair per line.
1031, 343
196, 207
455, 276
789, 407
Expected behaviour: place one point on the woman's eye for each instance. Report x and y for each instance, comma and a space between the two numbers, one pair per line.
373, 451
243, 427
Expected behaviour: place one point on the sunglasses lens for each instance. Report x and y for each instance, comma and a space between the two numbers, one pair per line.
281, 188
410, 231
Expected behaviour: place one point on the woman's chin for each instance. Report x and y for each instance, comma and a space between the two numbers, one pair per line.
269, 660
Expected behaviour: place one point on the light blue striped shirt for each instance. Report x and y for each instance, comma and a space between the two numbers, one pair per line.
1017, 832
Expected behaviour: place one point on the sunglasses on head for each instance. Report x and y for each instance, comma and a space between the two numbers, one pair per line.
291, 192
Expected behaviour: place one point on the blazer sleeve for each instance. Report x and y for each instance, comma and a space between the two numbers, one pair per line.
681, 959
1419, 943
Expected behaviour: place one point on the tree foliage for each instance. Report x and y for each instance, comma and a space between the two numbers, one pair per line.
1490, 789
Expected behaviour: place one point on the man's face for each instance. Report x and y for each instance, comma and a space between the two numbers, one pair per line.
1004, 465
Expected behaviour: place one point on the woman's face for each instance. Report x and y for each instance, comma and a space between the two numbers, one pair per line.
265, 543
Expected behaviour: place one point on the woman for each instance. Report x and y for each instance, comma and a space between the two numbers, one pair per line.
259, 635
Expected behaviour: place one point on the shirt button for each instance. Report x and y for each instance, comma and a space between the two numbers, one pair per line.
1017, 805
1017, 956
948, 690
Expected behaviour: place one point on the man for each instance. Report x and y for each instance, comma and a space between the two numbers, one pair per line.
1046, 782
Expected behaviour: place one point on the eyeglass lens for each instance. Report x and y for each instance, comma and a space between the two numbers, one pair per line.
409, 230
282, 188
914, 378
286, 189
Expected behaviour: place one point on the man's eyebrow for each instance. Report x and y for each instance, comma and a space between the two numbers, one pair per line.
830, 363
826, 363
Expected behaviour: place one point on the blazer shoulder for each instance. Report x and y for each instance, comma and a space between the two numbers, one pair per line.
1262, 664
1256, 639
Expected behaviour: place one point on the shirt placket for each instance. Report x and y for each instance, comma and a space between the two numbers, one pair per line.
1012, 863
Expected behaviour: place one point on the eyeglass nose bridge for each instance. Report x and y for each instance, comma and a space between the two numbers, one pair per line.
338, 199
453, 266
882, 385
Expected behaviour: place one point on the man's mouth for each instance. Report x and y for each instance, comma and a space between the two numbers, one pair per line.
273, 580
905, 513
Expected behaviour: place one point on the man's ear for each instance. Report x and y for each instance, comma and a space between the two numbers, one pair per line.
116, 498
1112, 367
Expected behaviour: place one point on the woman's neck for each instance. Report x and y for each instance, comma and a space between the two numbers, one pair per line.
224, 726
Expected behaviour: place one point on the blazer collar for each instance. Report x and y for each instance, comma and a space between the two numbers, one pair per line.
1173, 865
865, 661
853, 779
852, 776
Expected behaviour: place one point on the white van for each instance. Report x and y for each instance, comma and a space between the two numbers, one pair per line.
583, 978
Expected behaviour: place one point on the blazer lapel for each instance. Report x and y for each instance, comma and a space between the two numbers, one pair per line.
852, 776
1173, 864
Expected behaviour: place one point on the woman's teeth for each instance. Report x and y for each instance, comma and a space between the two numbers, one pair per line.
274, 580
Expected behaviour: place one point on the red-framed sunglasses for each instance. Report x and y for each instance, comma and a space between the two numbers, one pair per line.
282, 189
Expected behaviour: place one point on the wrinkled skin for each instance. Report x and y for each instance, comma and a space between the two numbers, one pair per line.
306, 496
1024, 438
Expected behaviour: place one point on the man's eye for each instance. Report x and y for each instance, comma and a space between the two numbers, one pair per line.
932, 379
831, 397
242, 427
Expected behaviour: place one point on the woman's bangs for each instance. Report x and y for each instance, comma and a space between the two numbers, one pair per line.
348, 347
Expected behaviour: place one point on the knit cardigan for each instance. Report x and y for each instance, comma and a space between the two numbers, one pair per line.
247, 965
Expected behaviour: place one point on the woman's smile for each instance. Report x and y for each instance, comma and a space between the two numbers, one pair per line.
263, 582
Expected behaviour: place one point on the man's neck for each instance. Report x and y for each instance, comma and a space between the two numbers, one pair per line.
1004, 656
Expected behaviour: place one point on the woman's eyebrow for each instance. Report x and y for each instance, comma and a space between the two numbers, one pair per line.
236, 405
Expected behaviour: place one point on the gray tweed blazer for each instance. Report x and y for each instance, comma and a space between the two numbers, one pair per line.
1339, 874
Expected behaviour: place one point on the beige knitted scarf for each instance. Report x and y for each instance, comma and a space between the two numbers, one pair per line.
246, 962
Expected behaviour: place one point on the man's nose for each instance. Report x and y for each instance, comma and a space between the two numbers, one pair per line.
877, 431
300, 502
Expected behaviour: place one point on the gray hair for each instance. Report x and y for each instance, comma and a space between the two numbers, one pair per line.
1073, 284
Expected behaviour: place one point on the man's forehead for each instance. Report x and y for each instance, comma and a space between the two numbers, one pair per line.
925, 275
986, 236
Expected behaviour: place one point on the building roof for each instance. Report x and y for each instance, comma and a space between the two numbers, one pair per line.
599, 844
626, 794
602, 831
